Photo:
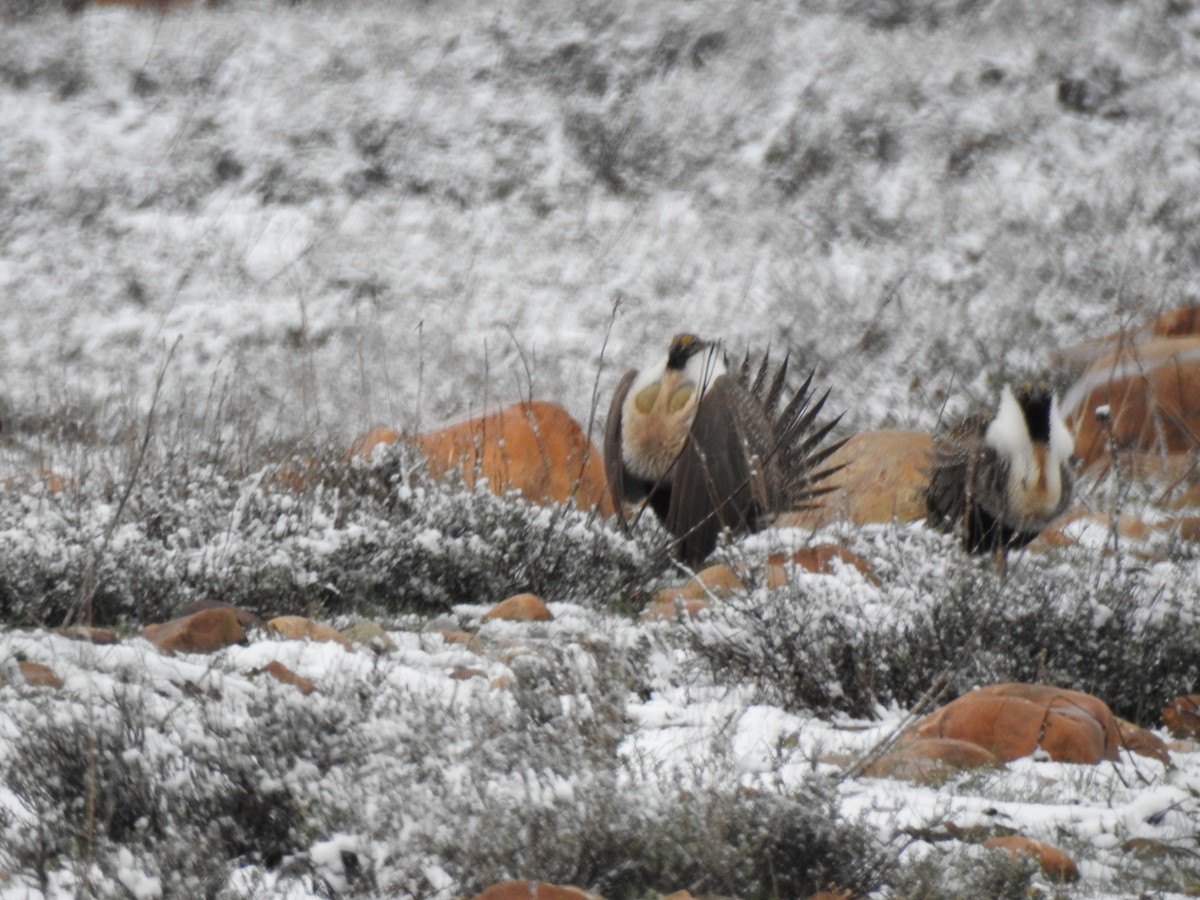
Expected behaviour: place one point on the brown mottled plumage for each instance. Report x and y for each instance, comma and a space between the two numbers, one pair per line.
709, 449
1000, 479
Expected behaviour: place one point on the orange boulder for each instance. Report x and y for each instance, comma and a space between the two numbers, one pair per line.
1056, 864
280, 672
819, 559
534, 447
520, 608
532, 890
363, 446
299, 628
884, 478
1141, 397
1015, 720
928, 759
1183, 321
202, 632
1182, 716
38, 675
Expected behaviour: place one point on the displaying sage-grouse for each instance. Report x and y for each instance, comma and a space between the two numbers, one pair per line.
710, 449
1001, 479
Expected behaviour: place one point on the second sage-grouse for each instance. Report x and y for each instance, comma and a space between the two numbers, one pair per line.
709, 448
999, 480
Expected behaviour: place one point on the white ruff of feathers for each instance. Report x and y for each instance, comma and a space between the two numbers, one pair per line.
1008, 435
702, 369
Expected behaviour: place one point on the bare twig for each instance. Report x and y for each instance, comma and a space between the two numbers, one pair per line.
87, 590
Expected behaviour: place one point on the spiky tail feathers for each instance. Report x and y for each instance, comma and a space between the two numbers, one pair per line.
794, 452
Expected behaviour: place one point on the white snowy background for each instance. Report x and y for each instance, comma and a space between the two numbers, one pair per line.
310, 219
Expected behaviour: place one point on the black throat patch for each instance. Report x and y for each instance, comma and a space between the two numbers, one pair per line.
1035, 401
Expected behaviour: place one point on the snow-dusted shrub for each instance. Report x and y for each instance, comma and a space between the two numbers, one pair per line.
120, 787
1131, 636
963, 873
356, 540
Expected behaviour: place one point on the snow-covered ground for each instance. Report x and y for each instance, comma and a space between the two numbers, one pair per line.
310, 219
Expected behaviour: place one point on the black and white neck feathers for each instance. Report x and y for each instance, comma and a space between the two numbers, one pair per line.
1001, 479
707, 448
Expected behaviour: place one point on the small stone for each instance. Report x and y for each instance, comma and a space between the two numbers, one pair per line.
203, 632
930, 759
88, 634
364, 445
298, 628
1182, 716
1143, 742
718, 581
38, 675
818, 559
245, 618
715, 581
463, 673
472, 642
533, 890
1147, 847
372, 635
668, 604
520, 608
1056, 864
280, 672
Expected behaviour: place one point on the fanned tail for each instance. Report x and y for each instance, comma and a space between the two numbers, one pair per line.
798, 447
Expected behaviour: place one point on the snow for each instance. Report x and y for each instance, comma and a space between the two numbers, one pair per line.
382, 214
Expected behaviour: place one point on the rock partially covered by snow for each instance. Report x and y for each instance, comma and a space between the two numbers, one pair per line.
1015, 720
1056, 864
202, 632
535, 448
884, 476
520, 608
533, 890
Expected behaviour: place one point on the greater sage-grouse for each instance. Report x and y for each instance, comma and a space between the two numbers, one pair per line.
709, 448
1000, 479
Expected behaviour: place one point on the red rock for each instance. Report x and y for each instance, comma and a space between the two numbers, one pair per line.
363, 446
694, 595
280, 672
883, 480
1175, 323
472, 642
1182, 716
245, 618
1127, 526
52, 481
534, 447
88, 634
298, 628
1056, 864
464, 673
520, 608
929, 759
1152, 395
714, 581
533, 890
203, 632
297, 474
1142, 742
669, 603
1014, 720
38, 675
819, 559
